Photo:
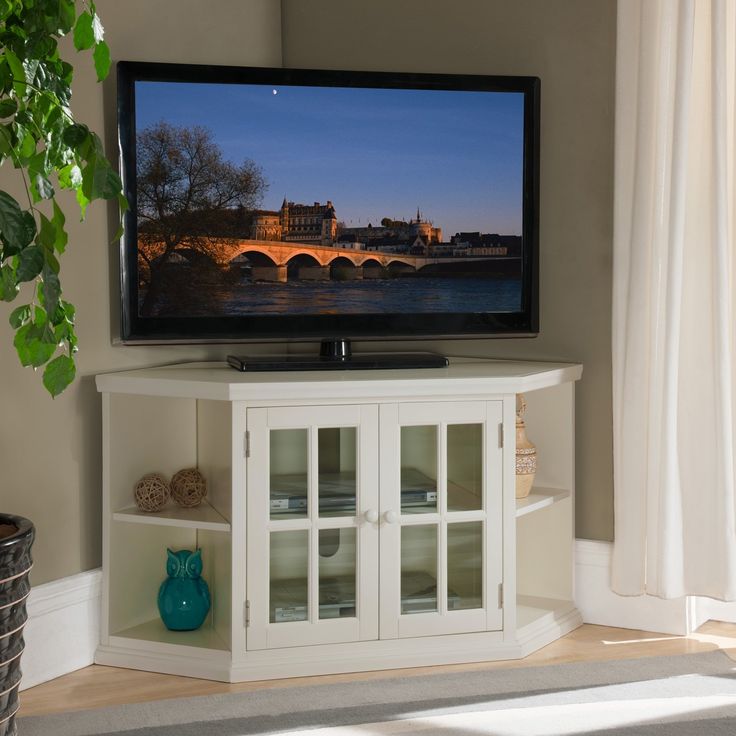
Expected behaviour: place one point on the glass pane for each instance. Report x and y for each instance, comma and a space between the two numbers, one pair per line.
337, 556
465, 565
418, 569
289, 575
336, 451
419, 469
289, 473
464, 467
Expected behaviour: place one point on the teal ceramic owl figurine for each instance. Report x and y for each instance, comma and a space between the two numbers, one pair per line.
184, 597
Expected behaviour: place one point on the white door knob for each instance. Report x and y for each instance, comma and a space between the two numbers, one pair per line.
390, 517
371, 516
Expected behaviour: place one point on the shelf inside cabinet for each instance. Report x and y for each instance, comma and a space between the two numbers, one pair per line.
204, 516
154, 631
540, 498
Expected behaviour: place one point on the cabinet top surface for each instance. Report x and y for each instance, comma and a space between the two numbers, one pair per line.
219, 381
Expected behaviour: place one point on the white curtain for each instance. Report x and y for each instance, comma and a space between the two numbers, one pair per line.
673, 301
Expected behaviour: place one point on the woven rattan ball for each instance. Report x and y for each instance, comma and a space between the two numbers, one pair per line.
151, 492
188, 487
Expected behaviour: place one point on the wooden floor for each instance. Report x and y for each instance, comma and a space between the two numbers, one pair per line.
97, 686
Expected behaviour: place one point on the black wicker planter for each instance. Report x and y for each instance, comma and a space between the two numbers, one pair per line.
15, 564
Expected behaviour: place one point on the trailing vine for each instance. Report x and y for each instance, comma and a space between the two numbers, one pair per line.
50, 150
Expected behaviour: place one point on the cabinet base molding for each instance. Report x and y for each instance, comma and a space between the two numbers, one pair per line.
344, 658
549, 628
168, 663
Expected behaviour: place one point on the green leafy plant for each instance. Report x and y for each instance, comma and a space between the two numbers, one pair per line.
50, 150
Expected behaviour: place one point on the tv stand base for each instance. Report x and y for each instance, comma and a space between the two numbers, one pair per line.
337, 355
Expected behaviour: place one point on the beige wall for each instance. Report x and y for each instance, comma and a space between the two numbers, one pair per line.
570, 45
50, 450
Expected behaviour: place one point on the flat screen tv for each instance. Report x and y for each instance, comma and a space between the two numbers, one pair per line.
294, 204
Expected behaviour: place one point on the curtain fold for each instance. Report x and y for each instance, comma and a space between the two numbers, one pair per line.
673, 310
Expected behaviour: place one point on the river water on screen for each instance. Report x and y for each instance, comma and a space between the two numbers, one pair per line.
389, 296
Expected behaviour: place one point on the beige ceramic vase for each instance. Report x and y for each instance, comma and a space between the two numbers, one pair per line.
526, 453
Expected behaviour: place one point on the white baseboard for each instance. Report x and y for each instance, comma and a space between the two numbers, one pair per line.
63, 628
707, 609
598, 604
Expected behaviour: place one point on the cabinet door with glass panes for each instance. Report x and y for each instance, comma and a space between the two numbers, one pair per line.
312, 526
441, 520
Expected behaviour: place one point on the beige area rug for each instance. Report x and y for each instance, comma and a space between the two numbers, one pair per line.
681, 695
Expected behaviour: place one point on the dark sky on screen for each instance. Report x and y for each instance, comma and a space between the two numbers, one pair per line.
374, 152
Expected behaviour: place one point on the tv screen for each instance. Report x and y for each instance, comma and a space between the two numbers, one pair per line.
285, 204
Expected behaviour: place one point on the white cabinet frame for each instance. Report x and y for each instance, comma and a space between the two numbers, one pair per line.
392, 418
262, 634
163, 419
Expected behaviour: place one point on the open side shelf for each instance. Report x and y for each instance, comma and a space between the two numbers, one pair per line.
540, 498
154, 631
204, 516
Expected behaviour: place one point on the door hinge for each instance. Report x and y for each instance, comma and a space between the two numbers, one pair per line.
500, 595
246, 444
246, 613
500, 434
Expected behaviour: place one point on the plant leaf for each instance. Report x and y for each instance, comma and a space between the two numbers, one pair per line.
6, 8
101, 57
30, 69
8, 283
58, 374
52, 261
62, 238
97, 30
8, 107
6, 137
83, 201
50, 290
26, 146
84, 37
99, 179
74, 135
19, 316
70, 177
37, 164
38, 135
35, 343
30, 263
43, 186
19, 74
29, 225
69, 310
47, 233
6, 82
67, 16
28, 234
12, 224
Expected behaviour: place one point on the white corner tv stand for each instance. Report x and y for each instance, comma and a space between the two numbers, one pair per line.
355, 520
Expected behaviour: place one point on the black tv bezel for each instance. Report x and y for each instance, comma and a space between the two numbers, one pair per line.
286, 328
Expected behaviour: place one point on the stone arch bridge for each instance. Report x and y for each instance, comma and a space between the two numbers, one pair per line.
271, 259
